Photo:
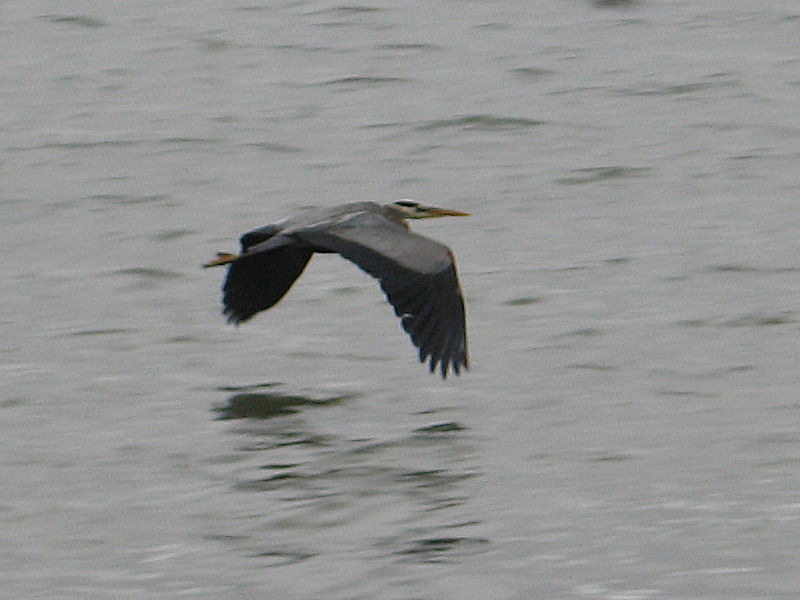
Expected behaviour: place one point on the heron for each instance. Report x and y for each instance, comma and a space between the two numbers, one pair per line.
417, 274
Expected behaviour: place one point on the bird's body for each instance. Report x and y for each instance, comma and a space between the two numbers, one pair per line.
417, 273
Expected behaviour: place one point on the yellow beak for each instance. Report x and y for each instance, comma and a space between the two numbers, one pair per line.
446, 212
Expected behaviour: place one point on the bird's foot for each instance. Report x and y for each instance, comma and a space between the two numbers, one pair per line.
223, 258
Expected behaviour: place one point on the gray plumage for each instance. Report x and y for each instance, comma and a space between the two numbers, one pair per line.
417, 274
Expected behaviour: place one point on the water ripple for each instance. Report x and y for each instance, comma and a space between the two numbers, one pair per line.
759, 319
480, 123
128, 198
532, 72
77, 20
146, 273
347, 9
595, 174
756, 319
275, 147
743, 268
99, 332
439, 549
436, 428
362, 81
425, 47
524, 301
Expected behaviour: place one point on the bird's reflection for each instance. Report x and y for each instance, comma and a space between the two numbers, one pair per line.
266, 405
319, 483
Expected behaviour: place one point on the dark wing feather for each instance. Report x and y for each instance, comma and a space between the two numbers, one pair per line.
256, 236
417, 274
261, 277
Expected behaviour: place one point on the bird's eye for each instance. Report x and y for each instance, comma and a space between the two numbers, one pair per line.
407, 204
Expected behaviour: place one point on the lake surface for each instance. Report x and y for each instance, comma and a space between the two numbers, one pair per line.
630, 427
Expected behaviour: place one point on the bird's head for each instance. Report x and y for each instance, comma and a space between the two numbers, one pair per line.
409, 209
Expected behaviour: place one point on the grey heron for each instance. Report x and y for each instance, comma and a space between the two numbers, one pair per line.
417, 273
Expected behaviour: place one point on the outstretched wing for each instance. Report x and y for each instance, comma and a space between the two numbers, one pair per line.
262, 276
256, 236
417, 274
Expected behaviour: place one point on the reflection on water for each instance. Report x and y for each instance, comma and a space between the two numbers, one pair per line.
265, 405
405, 493
435, 550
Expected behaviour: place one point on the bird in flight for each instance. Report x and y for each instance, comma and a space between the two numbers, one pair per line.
417, 273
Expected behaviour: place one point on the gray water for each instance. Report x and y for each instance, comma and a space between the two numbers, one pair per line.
630, 428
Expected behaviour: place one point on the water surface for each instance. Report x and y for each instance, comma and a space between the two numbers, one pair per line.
629, 428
